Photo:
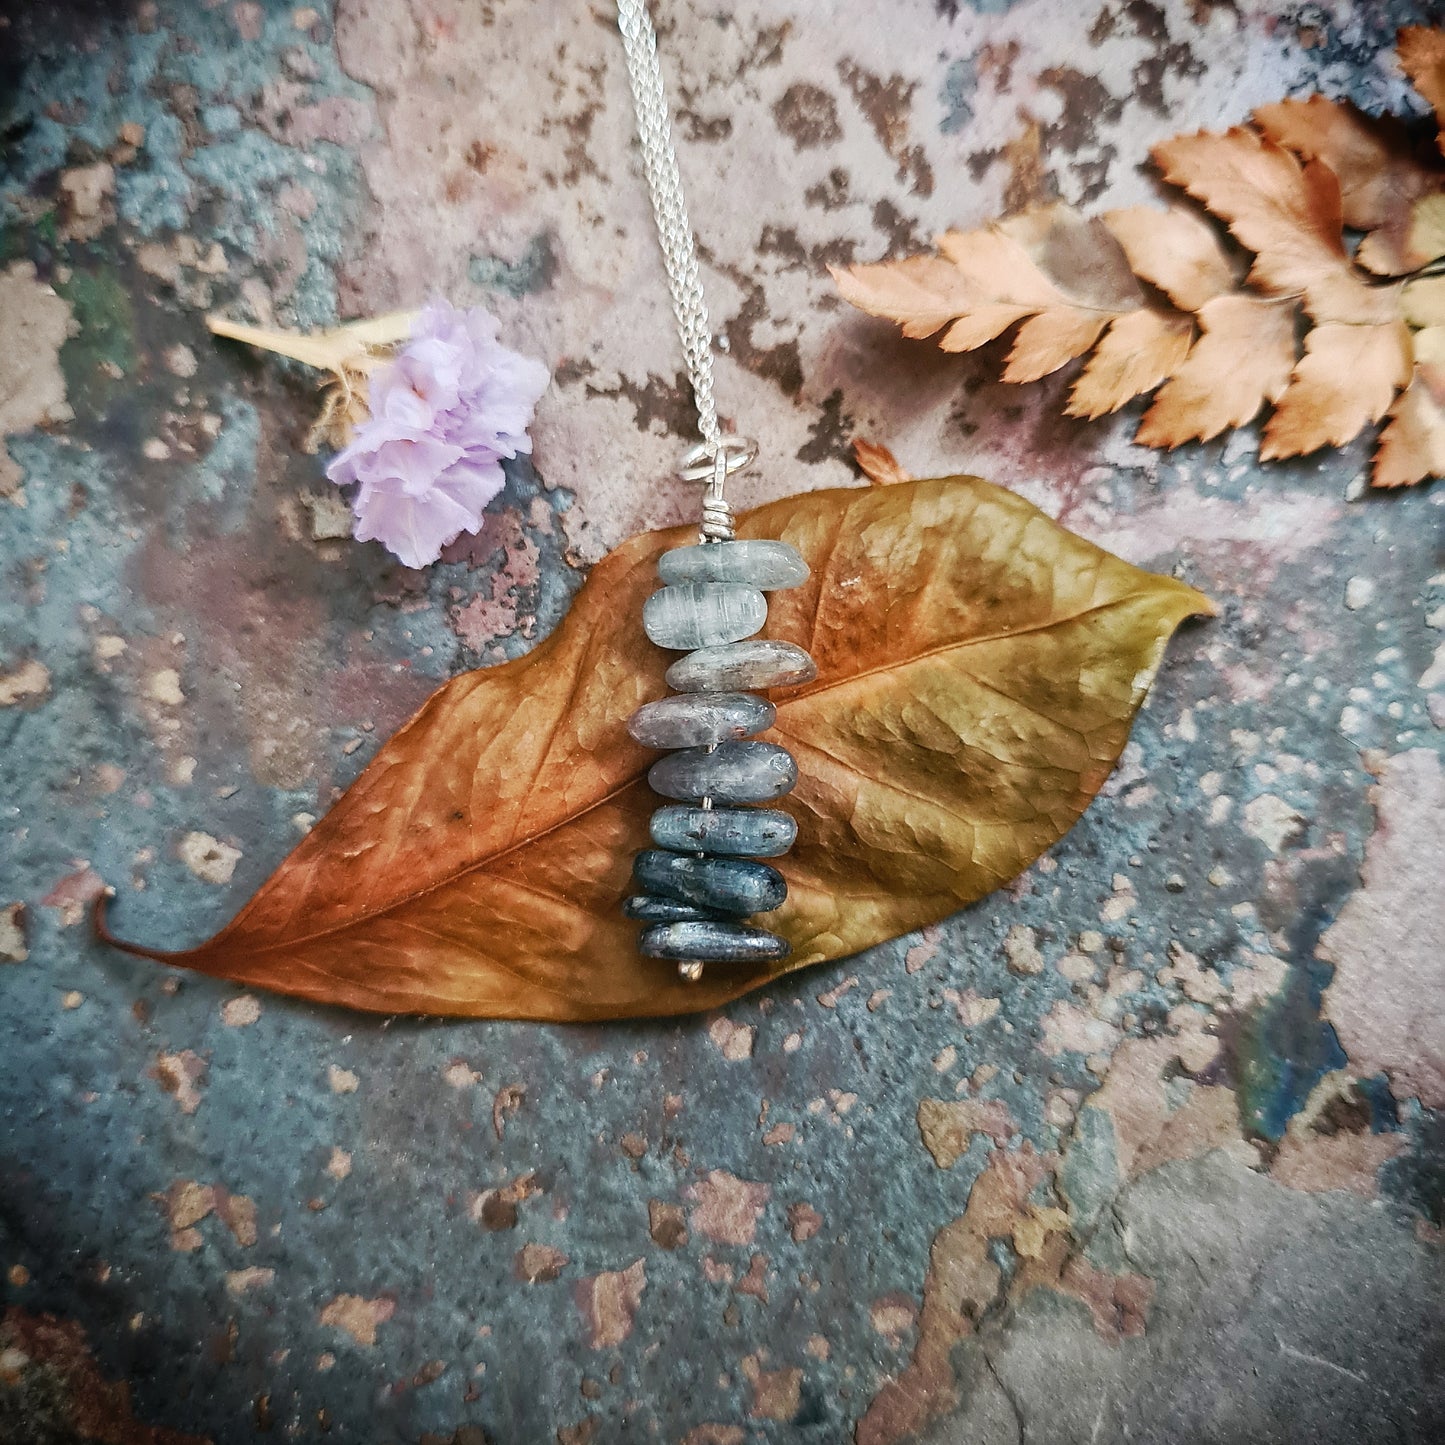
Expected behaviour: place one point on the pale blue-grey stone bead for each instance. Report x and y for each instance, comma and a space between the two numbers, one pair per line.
712, 943
662, 910
767, 565
698, 719
730, 886
732, 832
703, 614
759, 663
730, 773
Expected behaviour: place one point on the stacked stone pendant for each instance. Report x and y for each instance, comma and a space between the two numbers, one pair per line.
703, 879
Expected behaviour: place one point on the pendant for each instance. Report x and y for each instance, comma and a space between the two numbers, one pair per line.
702, 878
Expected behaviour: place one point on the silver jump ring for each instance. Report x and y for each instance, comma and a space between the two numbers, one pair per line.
698, 463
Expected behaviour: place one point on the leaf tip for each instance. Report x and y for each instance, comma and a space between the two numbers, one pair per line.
878, 464
100, 926
1205, 605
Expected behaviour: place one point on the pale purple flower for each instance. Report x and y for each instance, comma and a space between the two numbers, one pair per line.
444, 413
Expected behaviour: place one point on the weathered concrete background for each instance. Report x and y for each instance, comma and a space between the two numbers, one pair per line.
1147, 1147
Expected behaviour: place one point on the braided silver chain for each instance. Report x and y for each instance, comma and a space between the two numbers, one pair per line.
716, 456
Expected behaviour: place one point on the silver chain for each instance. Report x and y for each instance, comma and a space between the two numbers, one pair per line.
716, 456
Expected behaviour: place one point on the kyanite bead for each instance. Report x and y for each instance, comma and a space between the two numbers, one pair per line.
759, 663
662, 910
764, 564
732, 832
712, 943
699, 719
730, 886
703, 614
730, 773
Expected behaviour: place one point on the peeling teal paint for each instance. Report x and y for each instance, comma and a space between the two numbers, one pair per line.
1284, 1051
531, 271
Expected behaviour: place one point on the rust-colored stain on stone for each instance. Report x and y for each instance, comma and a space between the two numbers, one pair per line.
726, 1209
609, 1301
777, 1394
666, 1223
358, 1317
539, 1263
948, 1126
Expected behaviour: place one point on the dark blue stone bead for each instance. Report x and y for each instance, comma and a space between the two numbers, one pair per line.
722, 885
647, 909
745, 772
700, 719
732, 832
712, 943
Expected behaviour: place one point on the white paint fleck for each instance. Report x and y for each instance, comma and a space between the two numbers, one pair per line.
1434, 675
180, 360
211, 860
241, 1012
1272, 821
164, 686
12, 933
30, 679
34, 323
1021, 950
733, 1041
460, 1075
1359, 592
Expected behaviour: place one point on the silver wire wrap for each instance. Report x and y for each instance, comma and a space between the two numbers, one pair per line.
716, 457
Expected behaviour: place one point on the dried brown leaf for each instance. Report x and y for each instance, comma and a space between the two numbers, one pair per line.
980, 326
1425, 233
1288, 214
1422, 302
1174, 250
1142, 349
1428, 346
1061, 274
1372, 158
1347, 378
1421, 52
1078, 254
1065, 269
997, 269
1242, 359
977, 680
1052, 339
878, 464
923, 293
1412, 446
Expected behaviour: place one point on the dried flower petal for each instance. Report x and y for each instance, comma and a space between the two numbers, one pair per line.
444, 413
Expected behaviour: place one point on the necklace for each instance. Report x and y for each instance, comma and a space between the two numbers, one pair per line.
702, 879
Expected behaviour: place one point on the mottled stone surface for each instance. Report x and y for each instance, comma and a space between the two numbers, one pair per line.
1153, 1114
